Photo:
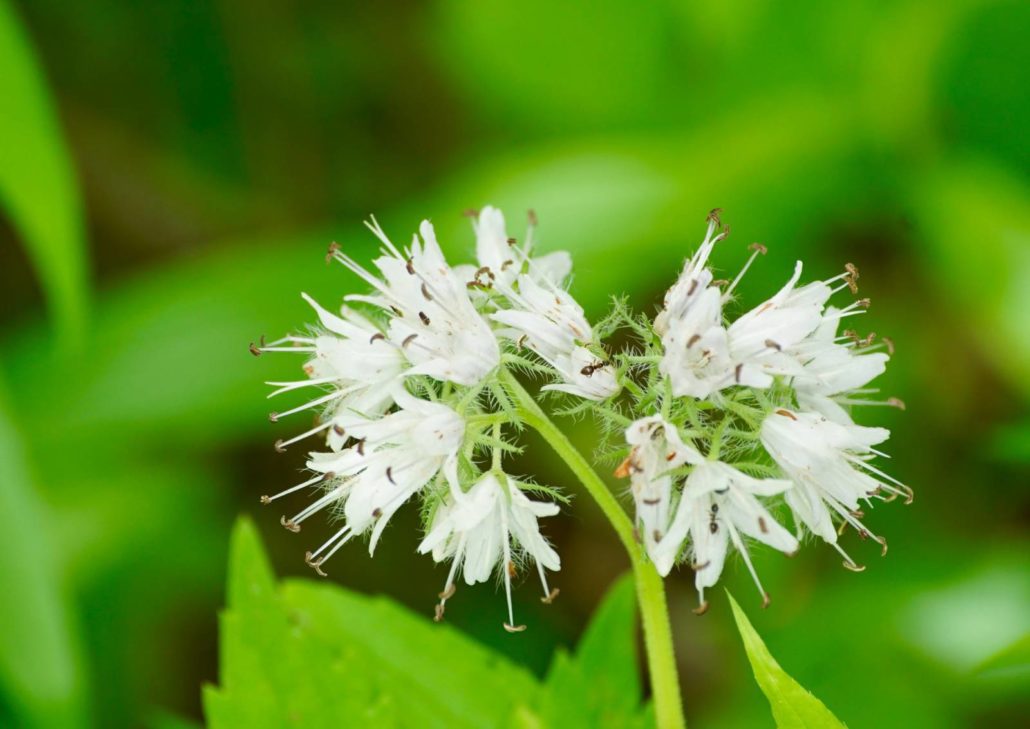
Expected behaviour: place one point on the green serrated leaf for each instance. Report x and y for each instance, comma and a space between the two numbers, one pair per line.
793, 707
599, 685
40, 670
37, 183
312, 655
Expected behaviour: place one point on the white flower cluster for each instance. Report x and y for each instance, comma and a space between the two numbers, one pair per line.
406, 389
729, 424
767, 397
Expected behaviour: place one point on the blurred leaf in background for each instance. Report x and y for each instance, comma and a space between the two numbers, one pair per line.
37, 182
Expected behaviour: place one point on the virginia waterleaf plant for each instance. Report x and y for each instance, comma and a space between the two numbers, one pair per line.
722, 428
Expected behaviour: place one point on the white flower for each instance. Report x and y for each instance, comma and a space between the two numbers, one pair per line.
351, 358
695, 278
718, 504
501, 259
393, 458
829, 465
480, 529
758, 337
657, 450
547, 320
830, 368
696, 358
433, 320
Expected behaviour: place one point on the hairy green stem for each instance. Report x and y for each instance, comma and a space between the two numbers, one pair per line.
661, 659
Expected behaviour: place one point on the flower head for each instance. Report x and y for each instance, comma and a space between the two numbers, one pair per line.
548, 321
433, 319
486, 528
657, 451
720, 507
829, 463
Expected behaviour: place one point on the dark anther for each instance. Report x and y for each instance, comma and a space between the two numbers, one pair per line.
652, 502
377, 512
511, 241
713, 216
511, 569
396, 311
701, 609
786, 414
448, 592
389, 475
760, 247
507, 264
255, 349
714, 527
550, 596
338, 429
623, 469
693, 340
409, 266
697, 567
883, 545
670, 456
274, 417
773, 345
289, 524
279, 447
408, 340
438, 613
423, 317
736, 372
328, 476
762, 526
376, 336
514, 628
520, 341
470, 213
334, 248
693, 287
715, 508
361, 447
315, 564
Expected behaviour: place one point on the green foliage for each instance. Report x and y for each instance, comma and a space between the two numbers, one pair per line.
37, 183
302, 654
793, 707
599, 685
39, 653
1014, 655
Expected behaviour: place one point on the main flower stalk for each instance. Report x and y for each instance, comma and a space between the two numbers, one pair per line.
654, 612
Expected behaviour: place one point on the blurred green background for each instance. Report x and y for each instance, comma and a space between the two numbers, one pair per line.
170, 175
